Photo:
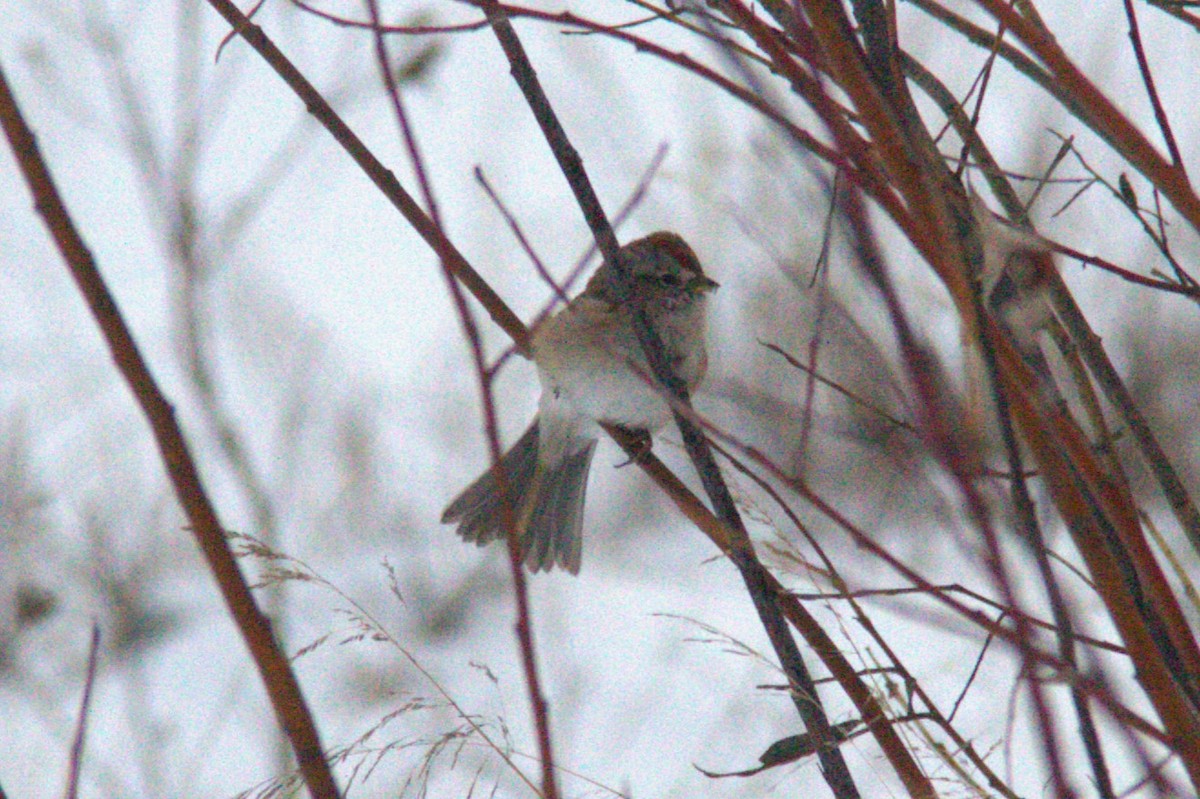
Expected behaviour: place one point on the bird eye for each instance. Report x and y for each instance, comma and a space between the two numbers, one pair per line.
670, 279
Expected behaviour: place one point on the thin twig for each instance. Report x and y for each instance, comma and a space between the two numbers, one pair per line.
867, 593
987, 642
1160, 113
839, 388
75, 769
519, 234
1156, 233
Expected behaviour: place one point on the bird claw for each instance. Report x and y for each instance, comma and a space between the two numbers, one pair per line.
640, 442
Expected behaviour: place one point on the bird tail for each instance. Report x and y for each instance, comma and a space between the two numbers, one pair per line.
546, 502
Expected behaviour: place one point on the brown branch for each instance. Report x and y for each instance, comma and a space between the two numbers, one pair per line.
855, 157
282, 687
1127, 578
1185, 289
1175, 9
905, 155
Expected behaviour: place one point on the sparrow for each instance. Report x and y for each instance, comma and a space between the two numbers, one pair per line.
592, 369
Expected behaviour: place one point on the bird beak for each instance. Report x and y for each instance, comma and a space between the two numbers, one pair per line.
702, 283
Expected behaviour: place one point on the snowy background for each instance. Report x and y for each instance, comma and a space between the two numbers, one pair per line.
306, 336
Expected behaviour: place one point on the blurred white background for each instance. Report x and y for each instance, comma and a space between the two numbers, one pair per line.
304, 333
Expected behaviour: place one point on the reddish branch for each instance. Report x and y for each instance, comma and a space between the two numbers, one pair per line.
288, 701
